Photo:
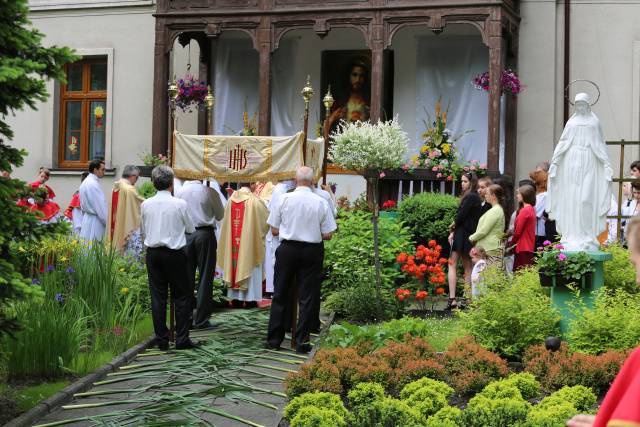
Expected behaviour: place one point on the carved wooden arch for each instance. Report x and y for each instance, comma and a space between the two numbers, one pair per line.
321, 27
436, 22
203, 30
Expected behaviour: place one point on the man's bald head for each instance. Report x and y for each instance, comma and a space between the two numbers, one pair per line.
304, 176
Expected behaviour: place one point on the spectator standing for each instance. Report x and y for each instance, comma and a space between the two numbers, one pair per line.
124, 214
491, 226
543, 223
165, 221
44, 207
93, 203
204, 207
524, 233
479, 260
302, 220
465, 223
483, 184
73, 212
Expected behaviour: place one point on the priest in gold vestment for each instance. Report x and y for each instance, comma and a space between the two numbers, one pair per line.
123, 222
241, 247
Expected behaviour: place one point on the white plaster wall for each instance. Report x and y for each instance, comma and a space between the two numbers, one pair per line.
130, 33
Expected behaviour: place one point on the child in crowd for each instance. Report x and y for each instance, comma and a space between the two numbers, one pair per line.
479, 259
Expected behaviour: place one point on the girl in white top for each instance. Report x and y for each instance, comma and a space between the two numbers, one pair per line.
479, 260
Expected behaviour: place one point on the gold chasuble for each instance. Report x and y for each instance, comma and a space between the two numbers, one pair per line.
124, 213
241, 246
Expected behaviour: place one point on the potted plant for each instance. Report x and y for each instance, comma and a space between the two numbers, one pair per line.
150, 161
389, 210
557, 268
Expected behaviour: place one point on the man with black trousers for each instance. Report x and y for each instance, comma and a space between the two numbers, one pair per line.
165, 221
302, 220
204, 207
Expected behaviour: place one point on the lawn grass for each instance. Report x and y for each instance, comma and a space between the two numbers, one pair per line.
443, 332
29, 396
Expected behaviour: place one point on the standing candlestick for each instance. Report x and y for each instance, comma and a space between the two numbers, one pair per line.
209, 101
328, 103
172, 91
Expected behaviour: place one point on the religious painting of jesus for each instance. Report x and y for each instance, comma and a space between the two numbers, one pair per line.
348, 72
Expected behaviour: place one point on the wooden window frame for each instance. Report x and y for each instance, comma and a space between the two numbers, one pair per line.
86, 96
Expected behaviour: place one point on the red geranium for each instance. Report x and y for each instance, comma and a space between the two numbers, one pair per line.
389, 205
427, 267
420, 295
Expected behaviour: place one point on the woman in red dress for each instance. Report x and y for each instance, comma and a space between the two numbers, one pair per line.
524, 233
43, 206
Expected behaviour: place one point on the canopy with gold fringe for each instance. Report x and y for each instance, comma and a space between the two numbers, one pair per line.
244, 158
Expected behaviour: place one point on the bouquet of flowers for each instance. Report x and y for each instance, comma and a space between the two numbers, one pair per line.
249, 127
552, 262
191, 93
426, 265
154, 160
438, 152
509, 82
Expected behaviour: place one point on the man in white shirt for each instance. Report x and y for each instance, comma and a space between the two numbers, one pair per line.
204, 207
165, 220
302, 220
272, 242
93, 203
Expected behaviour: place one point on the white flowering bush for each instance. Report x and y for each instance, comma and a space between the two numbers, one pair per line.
364, 146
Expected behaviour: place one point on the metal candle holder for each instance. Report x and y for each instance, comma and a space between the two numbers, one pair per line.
307, 93
328, 104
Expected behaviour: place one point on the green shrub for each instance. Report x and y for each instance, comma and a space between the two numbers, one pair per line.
349, 254
315, 376
310, 416
359, 303
317, 399
365, 394
485, 412
613, 323
619, 273
428, 216
146, 189
387, 412
439, 387
512, 313
582, 398
427, 401
550, 416
500, 390
527, 384
449, 416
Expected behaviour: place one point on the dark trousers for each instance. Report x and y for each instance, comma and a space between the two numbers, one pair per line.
167, 268
297, 264
201, 255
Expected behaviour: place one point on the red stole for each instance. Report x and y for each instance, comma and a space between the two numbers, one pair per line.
75, 203
115, 195
620, 407
237, 219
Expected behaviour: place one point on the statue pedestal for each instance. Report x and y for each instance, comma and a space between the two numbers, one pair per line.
561, 295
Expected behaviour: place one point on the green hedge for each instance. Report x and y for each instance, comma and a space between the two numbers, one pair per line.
428, 216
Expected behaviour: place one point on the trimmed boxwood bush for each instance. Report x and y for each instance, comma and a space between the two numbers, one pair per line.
311, 416
386, 413
428, 216
449, 416
485, 412
317, 399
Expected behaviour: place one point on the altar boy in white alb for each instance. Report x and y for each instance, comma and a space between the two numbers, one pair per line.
93, 203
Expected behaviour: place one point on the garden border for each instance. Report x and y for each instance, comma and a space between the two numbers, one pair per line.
323, 332
48, 405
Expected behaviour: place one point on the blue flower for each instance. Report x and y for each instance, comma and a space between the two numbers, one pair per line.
70, 270
35, 281
59, 298
51, 268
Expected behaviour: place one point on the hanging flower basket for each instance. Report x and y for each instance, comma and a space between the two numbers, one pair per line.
509, 82
191, 93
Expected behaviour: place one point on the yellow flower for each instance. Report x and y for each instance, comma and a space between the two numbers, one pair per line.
424, 149
124, 291
414, 158
121, 269
74, 242
446, 148
63, 259
21, 249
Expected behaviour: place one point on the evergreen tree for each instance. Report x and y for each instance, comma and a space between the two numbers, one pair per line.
24, 64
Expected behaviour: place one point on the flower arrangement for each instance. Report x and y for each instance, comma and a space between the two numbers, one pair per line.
552, 262
438, 152
426, 265
149, 159
363, 146
389, 205
73, 145
98, 112
249, 126
191, 93
509, 82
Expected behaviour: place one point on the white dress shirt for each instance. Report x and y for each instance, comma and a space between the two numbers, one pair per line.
165, 220
203, 203
302, 216
541, 205
327, 197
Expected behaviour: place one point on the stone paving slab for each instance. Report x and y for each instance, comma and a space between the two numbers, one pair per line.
200, 379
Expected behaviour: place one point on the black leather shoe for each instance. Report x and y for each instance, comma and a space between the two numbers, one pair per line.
205, 325
303, 348
270, 346
163, 346
188, 345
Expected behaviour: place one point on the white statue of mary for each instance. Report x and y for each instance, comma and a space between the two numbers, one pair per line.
579, 187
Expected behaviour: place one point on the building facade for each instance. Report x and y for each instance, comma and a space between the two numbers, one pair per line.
257, 54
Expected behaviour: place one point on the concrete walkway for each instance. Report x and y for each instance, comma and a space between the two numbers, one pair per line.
230, 381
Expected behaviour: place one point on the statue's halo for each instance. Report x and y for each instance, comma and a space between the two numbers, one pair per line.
566, 90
